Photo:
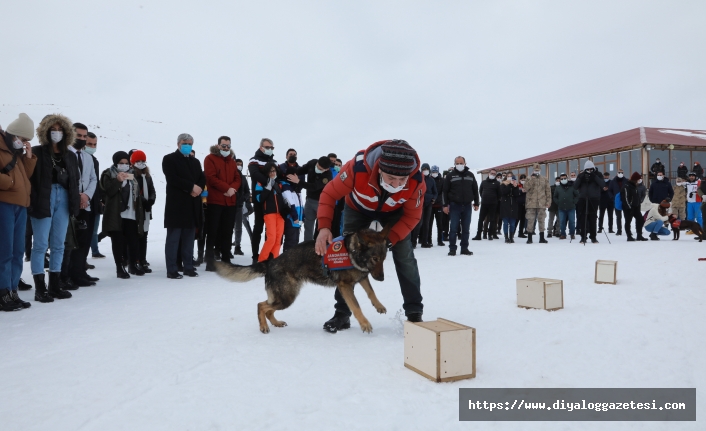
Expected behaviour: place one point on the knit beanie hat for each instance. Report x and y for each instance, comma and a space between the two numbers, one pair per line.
665, 204
398, 158
589, 165
118, 156
635, 176
425, 166
22, 127
324, 162
434, 169
137, 156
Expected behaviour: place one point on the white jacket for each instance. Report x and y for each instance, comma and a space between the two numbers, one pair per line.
654, 215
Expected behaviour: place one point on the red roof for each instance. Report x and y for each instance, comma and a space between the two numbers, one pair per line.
619, 142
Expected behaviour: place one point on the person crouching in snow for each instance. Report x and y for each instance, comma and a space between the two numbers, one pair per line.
274, 208
656, 220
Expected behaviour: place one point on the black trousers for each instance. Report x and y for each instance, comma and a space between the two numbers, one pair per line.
142, 243
257, 229
521, 218
439, 216
119, 239
220, 222
603, 209
84, 237
291, 235
639, 223
426, 225
28, 239
487, 211
619, 220
587, 213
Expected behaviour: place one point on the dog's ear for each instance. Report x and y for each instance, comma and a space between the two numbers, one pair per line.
385, 232
355, 243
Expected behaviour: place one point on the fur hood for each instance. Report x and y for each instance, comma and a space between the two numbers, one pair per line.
43, 129
217, 152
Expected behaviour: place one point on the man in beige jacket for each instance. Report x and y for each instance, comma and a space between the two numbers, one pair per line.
539, 198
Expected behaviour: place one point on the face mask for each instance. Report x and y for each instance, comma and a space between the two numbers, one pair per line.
426, 173
140, 165
123, 167
292, 159
522, 182
240, 168
657, 160
557, 183
225, 153
317, 170
492, 177
681, 164
337, 168
639, 181
389, 188
680, 184
17, 143
460, 167
56, 136
185, 149
90, 150
435, 174
573, 178
268, 152
620, 175
536, 173
79, 144
660, 177
565, 182
606, 179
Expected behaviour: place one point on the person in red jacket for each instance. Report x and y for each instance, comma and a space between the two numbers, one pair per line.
222, 180
382, 183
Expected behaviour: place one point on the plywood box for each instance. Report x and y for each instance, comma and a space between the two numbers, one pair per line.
542, 293
441, 350
606, 272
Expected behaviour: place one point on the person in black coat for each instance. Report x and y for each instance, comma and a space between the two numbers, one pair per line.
660, 189
459, 198
607, 204
318, 174
698, 170
521, 211
442, 220
589, 183
242, 199
256, 165
422, 231
632, 201
682, 170
490, 198
182, 211
656, 167
509, 207
615, 186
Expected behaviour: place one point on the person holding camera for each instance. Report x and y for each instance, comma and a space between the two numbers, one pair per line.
54, 198
124, 216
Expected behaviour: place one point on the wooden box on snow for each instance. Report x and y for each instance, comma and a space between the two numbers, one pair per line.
543, 293
606, 272
442, 350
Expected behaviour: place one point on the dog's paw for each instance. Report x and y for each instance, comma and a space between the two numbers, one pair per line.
366, 327
381, 309
280, 324
265, 329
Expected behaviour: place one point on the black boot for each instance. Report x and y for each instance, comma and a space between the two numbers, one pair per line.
338, 322
67, 284
541, 238
120, 270
490, 236
654, 237
507, 239
630, 238
40, 289
136, 269
54, 288
415, 317
485, 235
23, 286
210, 261
7, 303
15, 297
475, 238
238, 251
512, 238
529, 238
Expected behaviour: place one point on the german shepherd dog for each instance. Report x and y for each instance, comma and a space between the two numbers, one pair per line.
686, 225
285, 275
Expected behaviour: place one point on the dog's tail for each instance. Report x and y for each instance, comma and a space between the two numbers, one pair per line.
240, 273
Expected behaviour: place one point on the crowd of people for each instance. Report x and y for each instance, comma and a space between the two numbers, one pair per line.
56, 205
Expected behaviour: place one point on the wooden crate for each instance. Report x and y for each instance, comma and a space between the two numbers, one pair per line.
441, 350
606, 272
542, 293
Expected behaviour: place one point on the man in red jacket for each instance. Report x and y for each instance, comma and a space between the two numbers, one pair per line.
383, 184
222, 180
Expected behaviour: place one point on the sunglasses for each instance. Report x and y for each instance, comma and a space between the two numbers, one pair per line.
268, 148
225, 146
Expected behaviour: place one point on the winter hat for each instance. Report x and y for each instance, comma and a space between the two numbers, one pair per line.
324, 162
434, 169
536, 167
397, 158
635, 176
22, 127
137, 156
589, 165
425, 166
665, 204
118, 156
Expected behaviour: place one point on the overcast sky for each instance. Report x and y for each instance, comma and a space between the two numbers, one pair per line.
493, 81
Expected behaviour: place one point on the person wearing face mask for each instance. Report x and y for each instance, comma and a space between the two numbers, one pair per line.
148, 195
606, 204
539, 199
275, 209
553, 225
682, 170
183, 211
318, 174
292, 186
54, 198
660, 189
422, 232
615, 186
589, 183
489, 192
73, 268
241, 204
264, 155
679, 199
382, 183
97, 199
460, 197
509, 193
438, 214
693, 199
17, 164
566, 197
698, 170
631, 202
223, 181
521, 222
656, 167
123, 219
